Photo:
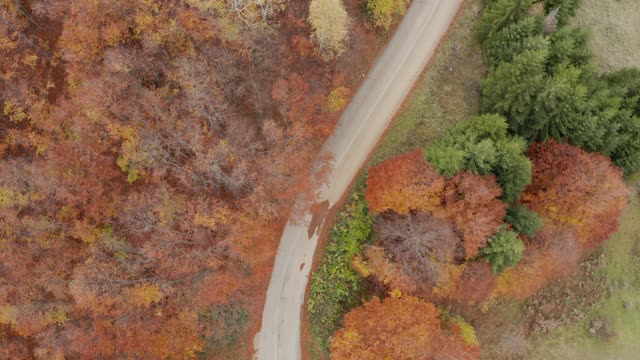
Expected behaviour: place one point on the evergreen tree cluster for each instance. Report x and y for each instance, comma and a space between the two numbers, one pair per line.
541, 85
482, 145
542, 80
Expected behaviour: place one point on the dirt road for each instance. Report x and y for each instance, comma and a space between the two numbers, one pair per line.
357, 132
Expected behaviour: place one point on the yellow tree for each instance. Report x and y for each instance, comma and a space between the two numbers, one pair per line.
384, 13
330, 23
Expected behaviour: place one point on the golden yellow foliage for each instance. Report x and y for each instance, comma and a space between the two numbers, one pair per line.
361, 266
9, 314
145, 294
330, 23
15, 112
384, 13
57, 317
338, 98
11, 198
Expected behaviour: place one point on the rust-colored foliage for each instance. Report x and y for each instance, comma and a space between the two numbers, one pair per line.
378, 265
398, 328
13, 347
553, 254
473, 205
405, 182
429, 226
577, 189
475, 284
146, 150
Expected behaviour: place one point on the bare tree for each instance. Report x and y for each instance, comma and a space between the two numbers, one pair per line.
421, 243
551, 22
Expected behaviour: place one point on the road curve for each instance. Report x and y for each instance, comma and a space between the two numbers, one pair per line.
357, 132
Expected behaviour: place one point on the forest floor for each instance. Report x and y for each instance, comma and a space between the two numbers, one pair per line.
595, 313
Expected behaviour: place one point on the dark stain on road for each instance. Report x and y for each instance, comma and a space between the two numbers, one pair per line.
319, 213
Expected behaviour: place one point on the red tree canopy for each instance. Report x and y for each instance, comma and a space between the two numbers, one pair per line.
473, 205
405, 182
399, 328
573, 187
430, 226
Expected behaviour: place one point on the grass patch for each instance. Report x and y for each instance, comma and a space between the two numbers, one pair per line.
447, 93
615, 25
612, 329
335, 287
594, 314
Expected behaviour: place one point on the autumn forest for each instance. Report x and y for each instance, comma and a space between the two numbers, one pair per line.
151, 152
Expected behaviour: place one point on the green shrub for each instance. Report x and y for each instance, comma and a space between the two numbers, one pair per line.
505, 249
482, 146
499, 14
524, 221
335, 287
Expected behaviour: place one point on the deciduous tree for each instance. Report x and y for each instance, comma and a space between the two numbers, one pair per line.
421, 244
553, 254
473, 205
476, 283
403, 183
384, 13
330, 23
578, 189
398, 328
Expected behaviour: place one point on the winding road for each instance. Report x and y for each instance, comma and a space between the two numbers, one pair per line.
358, 131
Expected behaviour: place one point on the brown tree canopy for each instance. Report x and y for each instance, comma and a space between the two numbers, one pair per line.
577, 189
421, 244
398, 328
405, 182
383, 271
473, 205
